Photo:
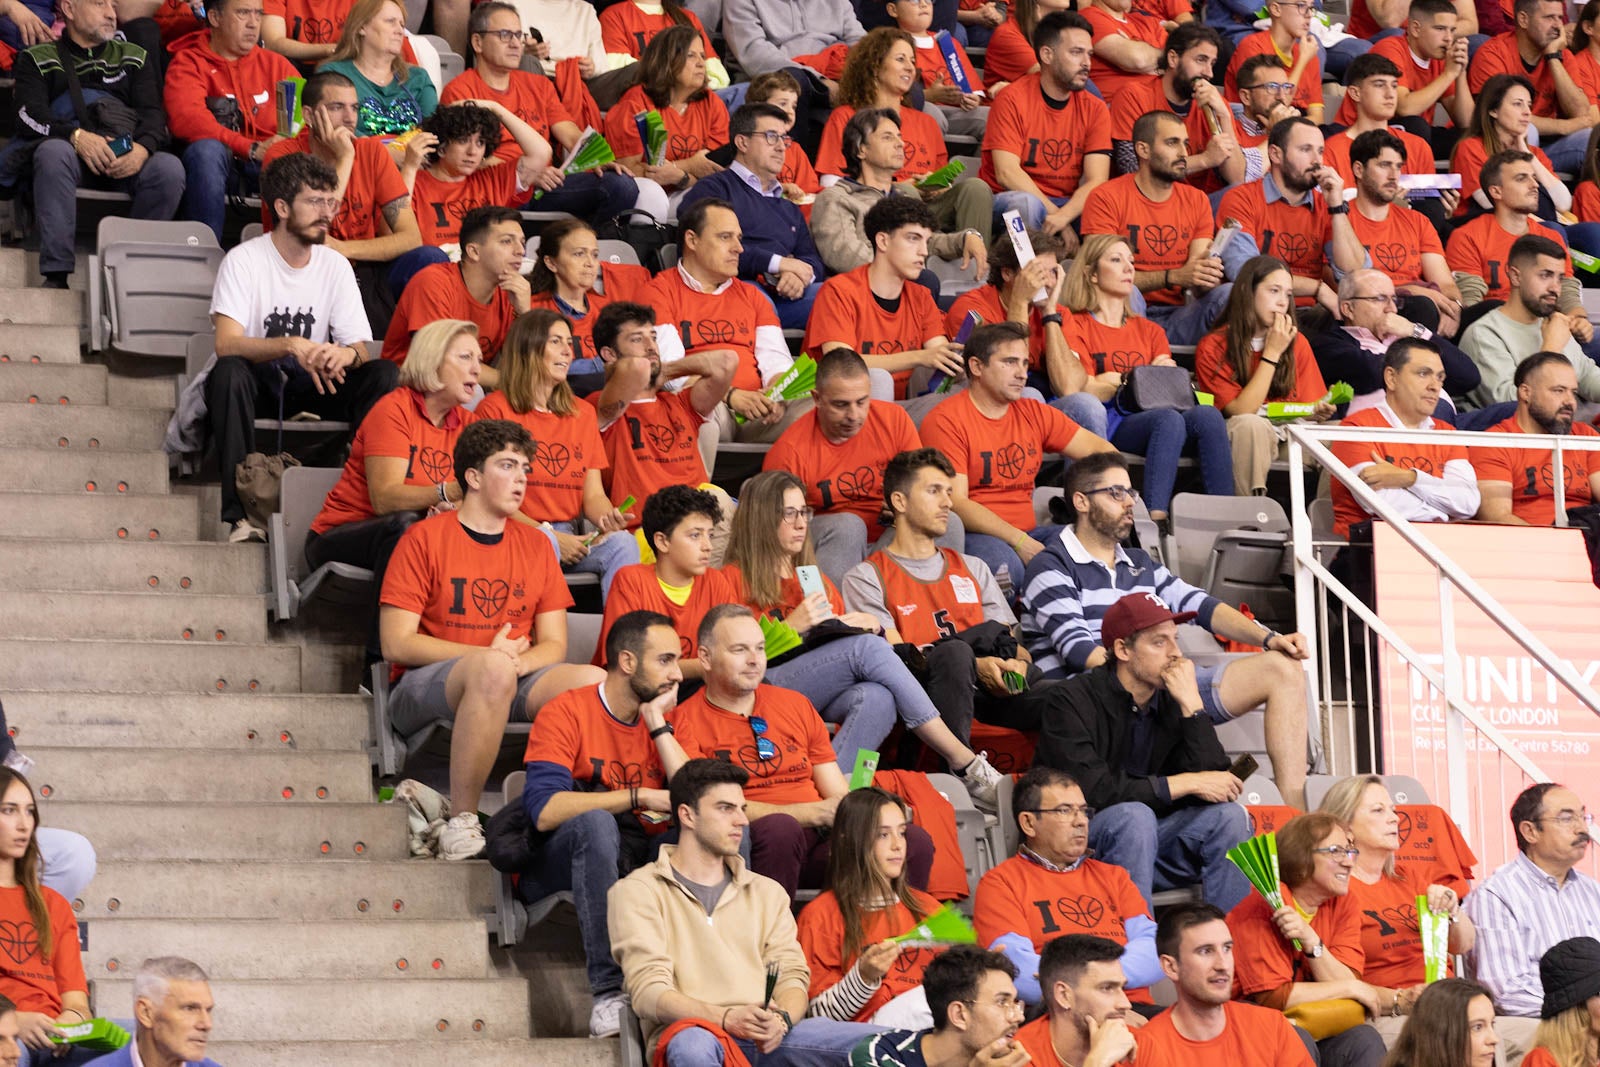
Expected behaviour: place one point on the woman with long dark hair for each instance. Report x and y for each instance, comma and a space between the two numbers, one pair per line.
1452, 1025
564, 483
673, 82
566, 270
1500, 124
856, 970
855, 681
1258, 355
628, 27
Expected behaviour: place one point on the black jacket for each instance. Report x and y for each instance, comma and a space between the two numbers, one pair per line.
117, 68
1086, 733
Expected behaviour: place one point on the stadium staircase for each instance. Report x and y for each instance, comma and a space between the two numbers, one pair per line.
219, 766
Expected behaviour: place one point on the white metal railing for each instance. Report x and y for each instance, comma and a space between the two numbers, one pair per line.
1479, 758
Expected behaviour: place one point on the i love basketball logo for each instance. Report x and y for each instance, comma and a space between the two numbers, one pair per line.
1121, 360
1292, 248
489, 596
661, 438
1415, 463
682, 146
551, 458
751, 761
882, 346
1085, 911
715, 331
1391, 256
859, 484
1009, 461
1402, 917
436, 463
19, 940
1405, 825
1056, 152
1160, 239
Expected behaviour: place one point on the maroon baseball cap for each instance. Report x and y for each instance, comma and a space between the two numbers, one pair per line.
1135, 612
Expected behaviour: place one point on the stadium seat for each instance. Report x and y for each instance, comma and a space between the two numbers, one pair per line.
973, 828
1144, 527
450, 64
150, 285
1402, 787
1233, 548
632, 1038
513, 918
251, 231
303, 491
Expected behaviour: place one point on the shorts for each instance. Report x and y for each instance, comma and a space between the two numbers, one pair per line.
1208, 677
418, 698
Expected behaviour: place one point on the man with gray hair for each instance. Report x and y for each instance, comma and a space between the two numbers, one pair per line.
172, 1011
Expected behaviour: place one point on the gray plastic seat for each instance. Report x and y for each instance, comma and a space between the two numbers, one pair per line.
150, 285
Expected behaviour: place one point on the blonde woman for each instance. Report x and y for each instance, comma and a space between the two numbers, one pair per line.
393, 96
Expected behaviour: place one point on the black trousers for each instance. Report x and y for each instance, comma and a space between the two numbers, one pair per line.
953, 686
368, 543
239, 392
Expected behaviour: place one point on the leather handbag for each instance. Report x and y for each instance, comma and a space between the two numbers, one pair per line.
1153, 388
1326, 1018
259, 480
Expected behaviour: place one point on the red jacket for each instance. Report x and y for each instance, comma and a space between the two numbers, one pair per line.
196, 74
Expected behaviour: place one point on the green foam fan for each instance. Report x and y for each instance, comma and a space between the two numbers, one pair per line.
944, 177
96, 1035
1435, 930
591, 152
1257, 859
793, 384
779, 635
947, 926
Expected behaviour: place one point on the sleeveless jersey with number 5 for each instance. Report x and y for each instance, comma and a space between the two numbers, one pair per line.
925, 612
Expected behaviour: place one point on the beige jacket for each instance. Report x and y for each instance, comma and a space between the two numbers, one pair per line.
664, 940
838, 225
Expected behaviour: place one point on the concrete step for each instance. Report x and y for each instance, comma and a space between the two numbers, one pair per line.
160, 391
41, 344
48, 383
255, 949
167, 567
84, 516
82, 426
438, 1013
14, 269
236, 831
90, 470
134, 616
149, 666
187, 775
259, 722
545, 1052
41, 307
318, 890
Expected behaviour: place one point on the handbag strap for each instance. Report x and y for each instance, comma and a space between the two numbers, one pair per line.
74, 87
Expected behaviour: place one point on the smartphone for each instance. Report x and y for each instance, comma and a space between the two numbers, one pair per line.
122, 144
1244, 767
810, 580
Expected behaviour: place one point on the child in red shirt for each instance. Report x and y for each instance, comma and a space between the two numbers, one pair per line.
465, 135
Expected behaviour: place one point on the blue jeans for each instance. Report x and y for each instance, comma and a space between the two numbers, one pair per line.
1161, 437
1185, 324
860, 684
406, 265
1336, 60
590, 195
1566, 153
811, 1043
1032, 209
1483, 418
157, 190
583, 856
213, 172
1180, 848
1085, 409
606, 556
793, 314
997, 554
1584, 237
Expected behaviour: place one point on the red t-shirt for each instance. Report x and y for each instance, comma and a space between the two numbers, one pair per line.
1398, 243
396, 428
708, 732
1482, 247
436, 292
441, 205
848, 476
1000, 457
1051, 140
1586, 202
625, 28
703, 124
1499, 55
925, 612
311, 21
1140, 97
654, 443
1308, 90
464, 590
797, 168
1419, 154
1214, 376
1254, 1037
1021, 897
1159, 231
1034, 1038
1264, 961
846, 311
374, 182
566, 448
578, 734
935, 71
1413, 75
1296, 234
1540, 1057
1429, 459
530, 97
32, 982
1390, 937
636, 588
789, 593
925, 149
1584, 70
985, 300
1468, 159
821, 934
727, 318
1009, 56
1531, 472
1109, 78
582, 325
1102, 347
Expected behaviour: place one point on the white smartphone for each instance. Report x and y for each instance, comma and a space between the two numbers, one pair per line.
810, 580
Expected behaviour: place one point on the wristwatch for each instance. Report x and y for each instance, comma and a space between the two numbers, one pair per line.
1315, 952
788, 1023
1339, 209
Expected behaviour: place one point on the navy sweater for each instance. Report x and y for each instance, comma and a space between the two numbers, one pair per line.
772, 226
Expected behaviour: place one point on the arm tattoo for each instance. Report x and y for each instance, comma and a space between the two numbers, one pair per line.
391, 210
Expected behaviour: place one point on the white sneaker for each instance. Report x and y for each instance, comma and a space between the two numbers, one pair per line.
983, 784
462, 837
246, 531
605, 1018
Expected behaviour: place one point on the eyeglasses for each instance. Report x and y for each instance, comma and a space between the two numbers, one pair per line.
1005, 1002
773, 137
794, 516
1272, 87
1120, 493
1568, 818
506, 36
1386, 300
765, 749
1066, 811
1304, 9
325, 203
1349, 852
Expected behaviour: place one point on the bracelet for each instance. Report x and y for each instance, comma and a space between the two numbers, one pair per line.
1018, 541
1395, 1010
664, 728
73, 139
443, 499
633, 797
1271, 362
724, 1023
1054, 318
1267, 636
81, 1016
1166, 279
